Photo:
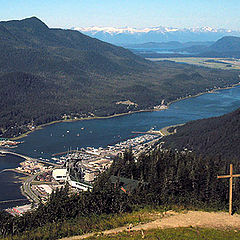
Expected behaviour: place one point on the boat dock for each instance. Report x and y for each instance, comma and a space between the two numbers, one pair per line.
28, 158
64, 153
148, 132
13, 200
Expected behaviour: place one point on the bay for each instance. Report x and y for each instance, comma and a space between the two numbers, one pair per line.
10, 183
102, 132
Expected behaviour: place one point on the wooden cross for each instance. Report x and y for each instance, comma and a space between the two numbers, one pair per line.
231, 176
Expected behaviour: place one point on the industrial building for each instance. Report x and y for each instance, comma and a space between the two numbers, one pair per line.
60, 174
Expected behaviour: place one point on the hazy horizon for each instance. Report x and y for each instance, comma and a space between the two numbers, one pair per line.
216, 14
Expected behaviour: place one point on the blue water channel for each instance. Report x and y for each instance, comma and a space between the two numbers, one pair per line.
62, 136
10, 182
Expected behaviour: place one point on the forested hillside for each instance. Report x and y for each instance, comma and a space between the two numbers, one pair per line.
228, 46
225, 47
48, 73
213, 136
164, 179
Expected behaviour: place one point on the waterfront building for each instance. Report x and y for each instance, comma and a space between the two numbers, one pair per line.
60, 174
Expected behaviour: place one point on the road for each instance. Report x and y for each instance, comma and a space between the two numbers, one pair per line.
164, 131
27, 190
26, 187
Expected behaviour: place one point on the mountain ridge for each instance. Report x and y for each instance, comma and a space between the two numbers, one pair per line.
82, 76
227, 46
227, 43
130, 35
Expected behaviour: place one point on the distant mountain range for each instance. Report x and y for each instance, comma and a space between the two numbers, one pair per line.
123, 36
228, 46
49, 74
172, 45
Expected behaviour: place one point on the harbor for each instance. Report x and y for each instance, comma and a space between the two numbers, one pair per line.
42, 174
93, 144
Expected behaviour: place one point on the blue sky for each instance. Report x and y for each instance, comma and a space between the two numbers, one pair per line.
121, 13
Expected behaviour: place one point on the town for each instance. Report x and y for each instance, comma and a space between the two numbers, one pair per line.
79, 168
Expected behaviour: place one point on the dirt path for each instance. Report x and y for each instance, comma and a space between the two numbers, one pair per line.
172, 220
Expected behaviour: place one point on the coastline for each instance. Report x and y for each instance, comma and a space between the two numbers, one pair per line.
81, 119
120, 114
23, 179
14, 179
164, 131
201, 93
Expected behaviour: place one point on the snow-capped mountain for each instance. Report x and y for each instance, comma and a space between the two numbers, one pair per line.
130, 35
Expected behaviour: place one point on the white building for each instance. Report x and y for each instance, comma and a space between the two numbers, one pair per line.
79, 185
60, 174
89, 176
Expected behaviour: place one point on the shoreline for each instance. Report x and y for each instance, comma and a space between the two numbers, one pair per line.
17, 181
23, 178
202, 93
81, 119
164, 131
120, 114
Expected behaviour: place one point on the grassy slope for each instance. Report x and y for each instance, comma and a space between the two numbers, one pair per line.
96, 224
79, 226
174, 234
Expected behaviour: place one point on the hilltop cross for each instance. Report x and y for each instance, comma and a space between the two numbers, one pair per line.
231, 176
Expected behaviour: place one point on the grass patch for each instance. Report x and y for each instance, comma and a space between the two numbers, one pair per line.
174, 234
82, 225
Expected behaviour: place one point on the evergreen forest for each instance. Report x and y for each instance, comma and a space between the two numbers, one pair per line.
51, 74
162, 178
209, 137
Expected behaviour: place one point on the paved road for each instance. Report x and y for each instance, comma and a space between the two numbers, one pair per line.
29, 191
164, 131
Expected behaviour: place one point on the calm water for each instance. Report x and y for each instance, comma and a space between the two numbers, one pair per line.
156, 50
61, 136
9, 182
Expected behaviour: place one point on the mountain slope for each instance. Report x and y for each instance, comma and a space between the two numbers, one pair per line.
226, 44
32, 33
213, 136
82, 76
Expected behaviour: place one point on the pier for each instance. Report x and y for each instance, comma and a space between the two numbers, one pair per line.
148, 132
28, 158
13, 200
14, 170
64, 153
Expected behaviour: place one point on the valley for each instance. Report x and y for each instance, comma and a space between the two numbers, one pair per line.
118, 141
221, 63
64, 74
